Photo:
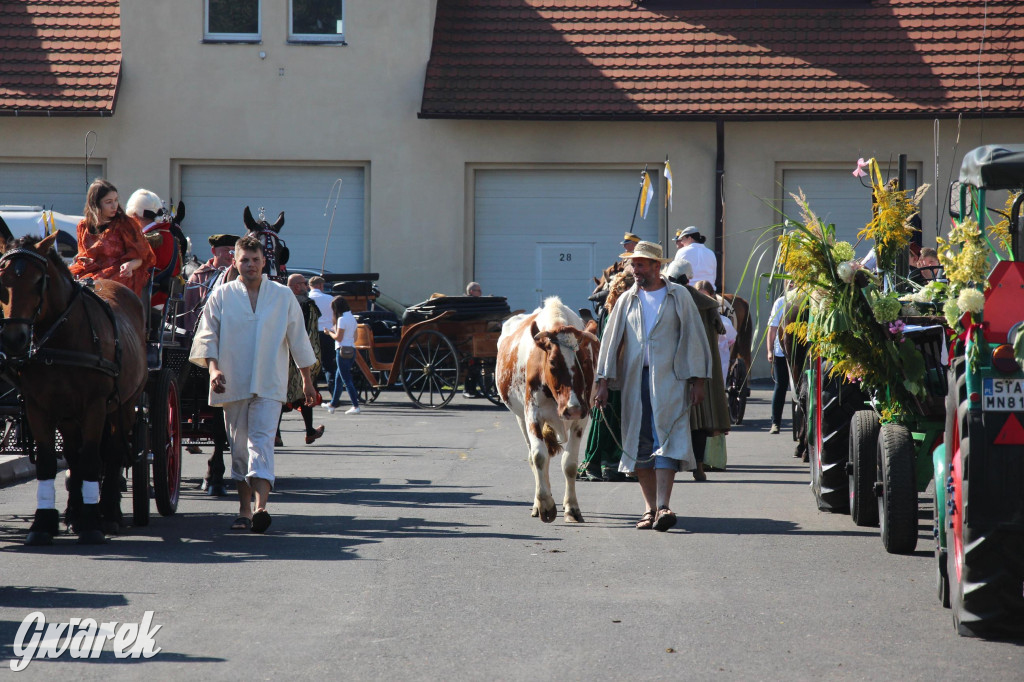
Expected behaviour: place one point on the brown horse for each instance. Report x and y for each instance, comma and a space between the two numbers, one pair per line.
78, 356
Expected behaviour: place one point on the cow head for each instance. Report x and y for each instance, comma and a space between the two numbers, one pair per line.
568, 356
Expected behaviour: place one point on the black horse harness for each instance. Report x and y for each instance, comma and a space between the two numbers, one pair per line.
55, 356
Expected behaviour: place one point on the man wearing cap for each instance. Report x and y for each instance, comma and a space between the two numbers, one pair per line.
629, 242
202, 281
691, 247
655, 351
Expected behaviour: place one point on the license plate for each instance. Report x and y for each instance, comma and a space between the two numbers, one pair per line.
1002, 395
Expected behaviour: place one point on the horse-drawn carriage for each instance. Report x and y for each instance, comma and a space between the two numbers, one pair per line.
429, 349
88, 382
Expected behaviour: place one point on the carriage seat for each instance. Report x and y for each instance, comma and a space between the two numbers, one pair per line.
384, 324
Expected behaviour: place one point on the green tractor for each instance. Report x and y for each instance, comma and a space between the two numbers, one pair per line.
979, 469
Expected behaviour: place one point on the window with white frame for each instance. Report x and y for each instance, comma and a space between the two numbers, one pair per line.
233, 20
316, 21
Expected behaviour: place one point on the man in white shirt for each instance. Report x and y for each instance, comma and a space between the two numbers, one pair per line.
777, 356
323, 302
691, 248
248, 329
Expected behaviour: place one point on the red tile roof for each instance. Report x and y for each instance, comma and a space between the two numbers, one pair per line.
59, 57
569, 59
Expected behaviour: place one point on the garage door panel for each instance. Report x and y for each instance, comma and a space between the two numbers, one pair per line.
216, 196
522, 213
60, 186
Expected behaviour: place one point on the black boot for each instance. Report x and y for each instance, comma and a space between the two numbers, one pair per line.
44, 527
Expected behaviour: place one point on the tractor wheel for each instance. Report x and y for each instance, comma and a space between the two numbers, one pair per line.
838, 401
897, 499
166, 443
985, 563
861, 468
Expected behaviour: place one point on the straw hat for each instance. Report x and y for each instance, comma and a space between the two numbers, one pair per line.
646, 250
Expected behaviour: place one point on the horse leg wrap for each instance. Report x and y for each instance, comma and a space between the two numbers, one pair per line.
46, 496
88, 526
90, 492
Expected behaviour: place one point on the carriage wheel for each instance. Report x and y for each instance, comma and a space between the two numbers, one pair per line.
738, 390
140, 465
166, 442
430, 369
486, 382
367, 391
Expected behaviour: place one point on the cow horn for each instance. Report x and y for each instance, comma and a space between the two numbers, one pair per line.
250, 222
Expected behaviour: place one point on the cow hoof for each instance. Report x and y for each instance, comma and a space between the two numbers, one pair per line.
534, 513
573, 515
92, 537
549, 515
38, 538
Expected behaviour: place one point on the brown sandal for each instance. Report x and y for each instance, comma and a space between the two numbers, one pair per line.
646, 521
666, 519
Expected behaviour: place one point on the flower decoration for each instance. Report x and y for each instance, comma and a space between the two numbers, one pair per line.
952, 313
971, 301
846, 271
886, 309
843, 251
859, 172
890, 226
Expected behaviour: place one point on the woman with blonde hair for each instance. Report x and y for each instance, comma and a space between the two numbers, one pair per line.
110, 244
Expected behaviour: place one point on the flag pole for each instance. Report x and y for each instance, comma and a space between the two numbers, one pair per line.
668, 228
638, 195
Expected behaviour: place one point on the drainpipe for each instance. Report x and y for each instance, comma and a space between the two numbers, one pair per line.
720, 202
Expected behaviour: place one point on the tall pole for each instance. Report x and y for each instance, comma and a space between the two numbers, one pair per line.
330, 195
720, 202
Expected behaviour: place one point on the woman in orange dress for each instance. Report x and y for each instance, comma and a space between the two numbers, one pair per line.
110, 244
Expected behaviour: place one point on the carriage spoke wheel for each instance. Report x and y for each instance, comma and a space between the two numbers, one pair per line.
487, 384
367, 391
430, 369
140, 465
737, 390
166, 441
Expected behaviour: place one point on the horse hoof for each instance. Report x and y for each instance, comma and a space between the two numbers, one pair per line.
92, 537
46, 522
38, 538
573, 516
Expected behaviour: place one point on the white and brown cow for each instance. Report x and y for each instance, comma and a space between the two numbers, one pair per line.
545, 374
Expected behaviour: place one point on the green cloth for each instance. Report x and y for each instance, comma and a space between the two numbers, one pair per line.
603, 442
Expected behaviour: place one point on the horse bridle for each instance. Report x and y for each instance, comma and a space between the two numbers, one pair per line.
52, 356
34, 259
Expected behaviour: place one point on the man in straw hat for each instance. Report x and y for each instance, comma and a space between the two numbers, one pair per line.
655, 351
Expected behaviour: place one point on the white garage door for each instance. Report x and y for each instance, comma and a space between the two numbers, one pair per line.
60, 186
541, 233
835, 196
216, 196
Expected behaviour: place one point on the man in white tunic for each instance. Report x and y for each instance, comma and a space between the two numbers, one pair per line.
246, 333
655, 350
691, 247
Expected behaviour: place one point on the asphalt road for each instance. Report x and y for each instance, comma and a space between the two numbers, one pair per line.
402, 548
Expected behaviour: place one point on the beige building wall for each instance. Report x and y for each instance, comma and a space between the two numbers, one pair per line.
183, 101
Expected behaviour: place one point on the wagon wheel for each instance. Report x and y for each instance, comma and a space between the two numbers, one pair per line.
486, 383
166, 442
430, 369
737, 390
140, 465
367, 391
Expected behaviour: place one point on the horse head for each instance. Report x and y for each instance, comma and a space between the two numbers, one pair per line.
276, 251
27, 274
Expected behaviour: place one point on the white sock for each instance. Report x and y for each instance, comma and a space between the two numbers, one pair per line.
90, 492
46, 498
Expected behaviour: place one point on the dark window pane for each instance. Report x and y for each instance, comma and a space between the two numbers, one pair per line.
316, 17
234, 16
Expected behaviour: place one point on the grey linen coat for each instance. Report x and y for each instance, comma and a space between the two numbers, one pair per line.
679, 351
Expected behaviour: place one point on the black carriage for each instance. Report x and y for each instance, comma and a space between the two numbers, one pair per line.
429, 349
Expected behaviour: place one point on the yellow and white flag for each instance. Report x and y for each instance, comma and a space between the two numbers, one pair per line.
646, 195
668, 184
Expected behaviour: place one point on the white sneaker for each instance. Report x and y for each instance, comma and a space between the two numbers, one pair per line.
353, 410
329, 408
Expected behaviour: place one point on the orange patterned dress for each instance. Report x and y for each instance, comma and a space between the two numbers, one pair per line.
100, 255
